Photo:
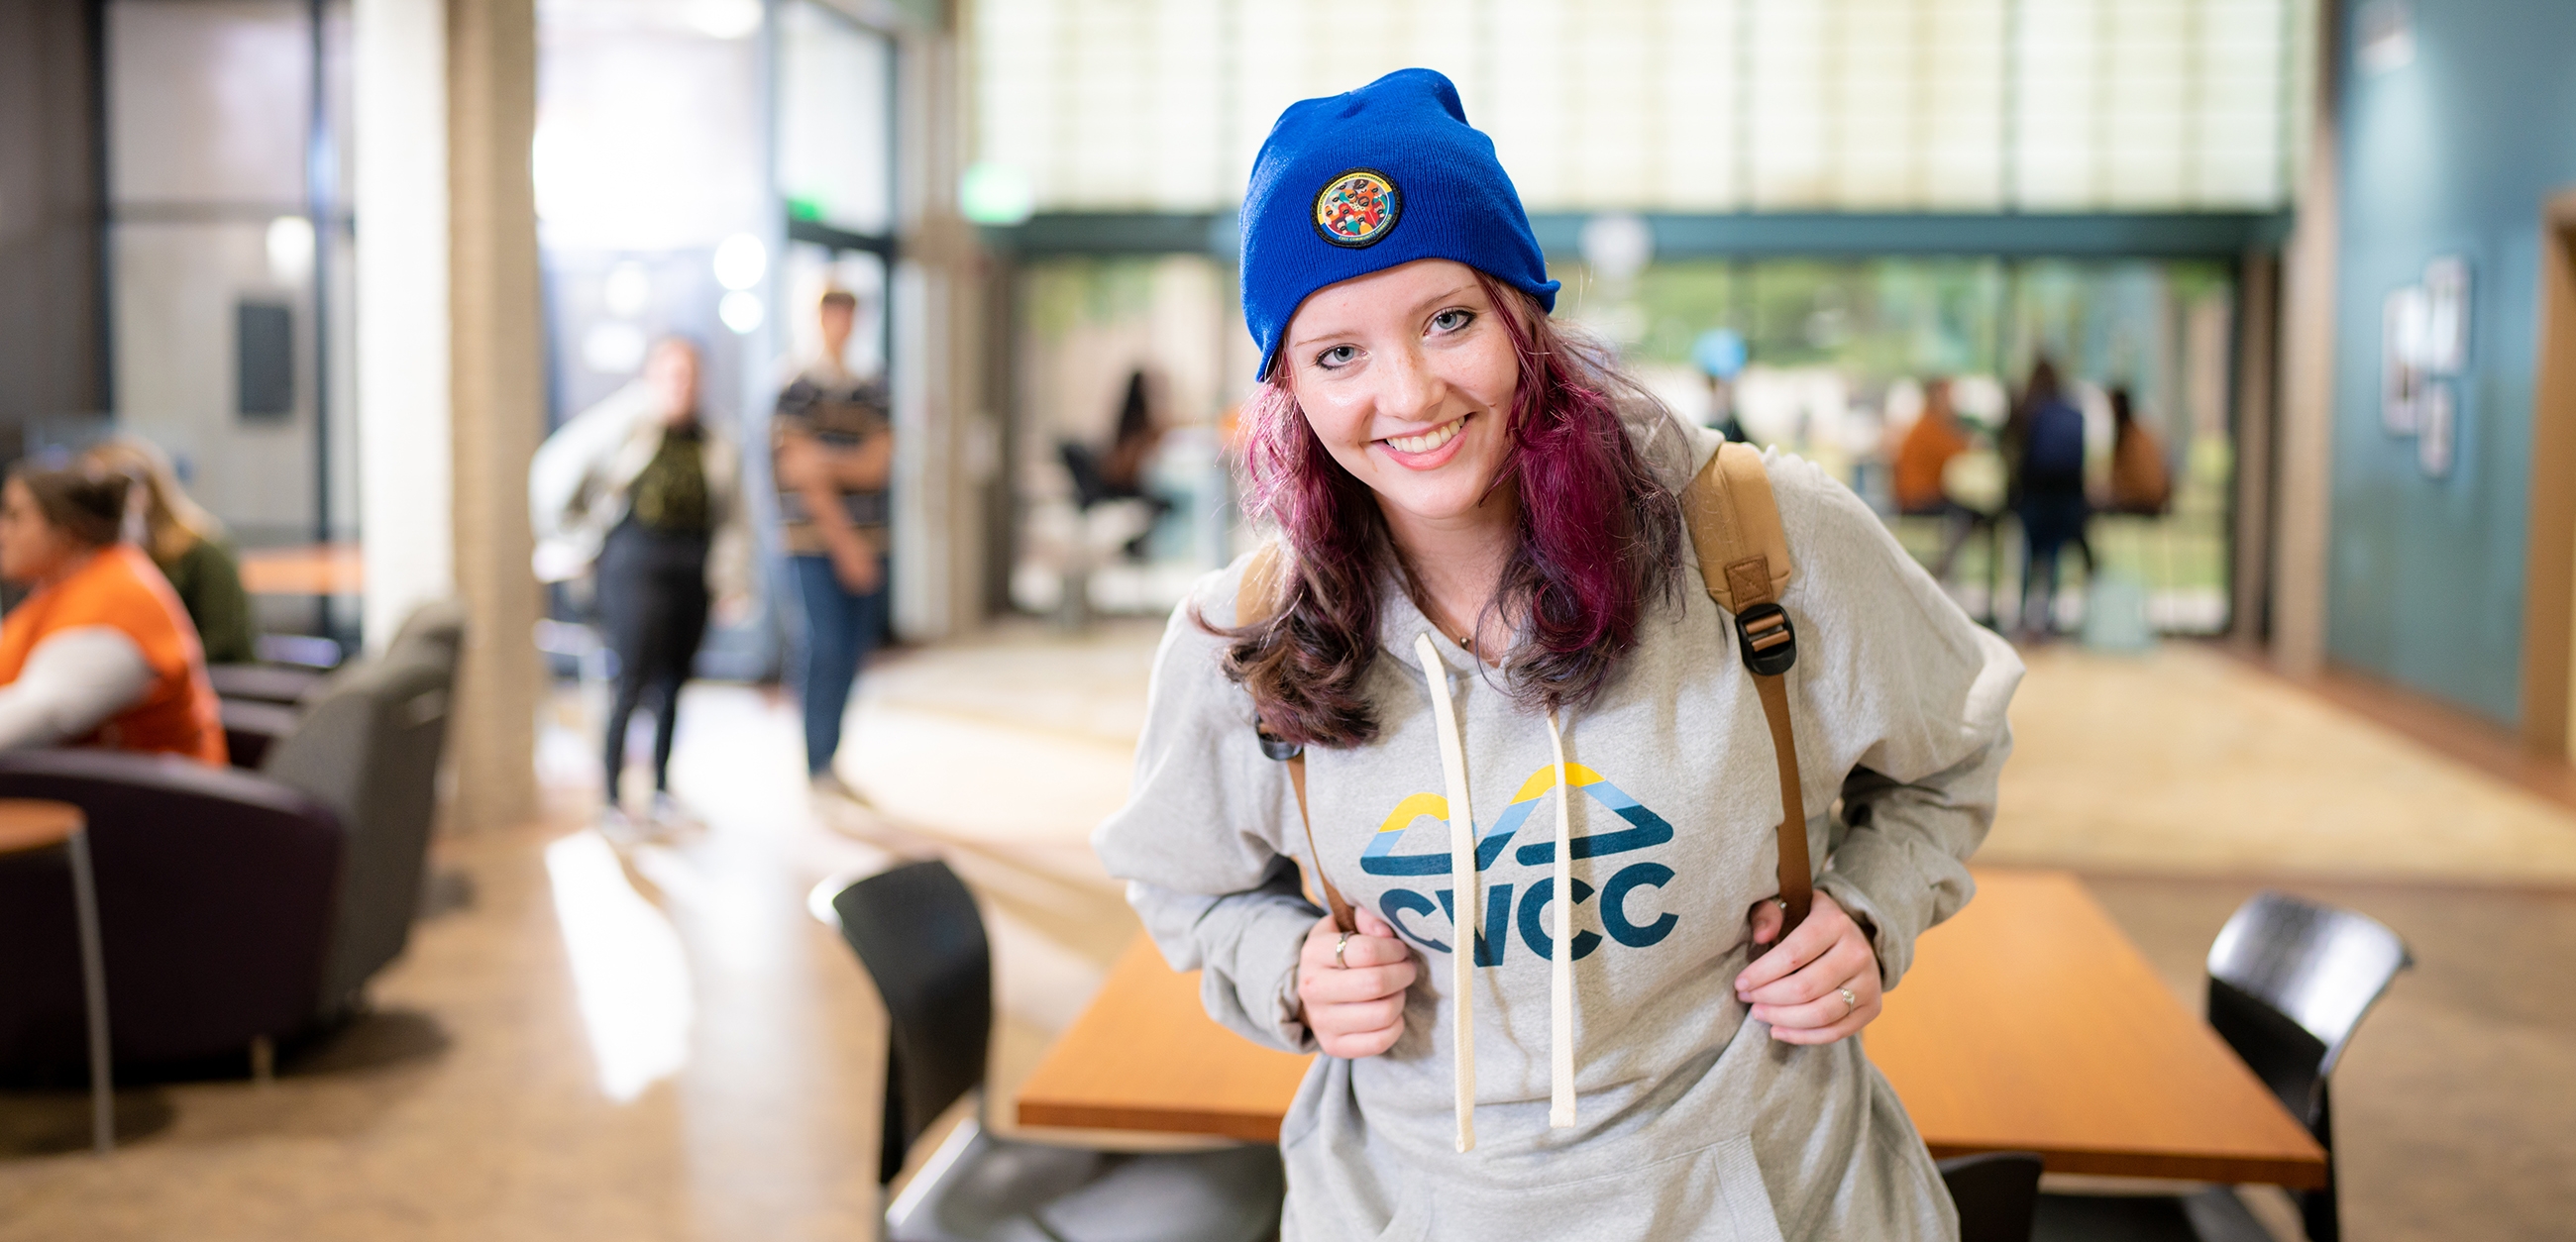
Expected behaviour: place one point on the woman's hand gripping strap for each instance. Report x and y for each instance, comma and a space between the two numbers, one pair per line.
1254, 601
1744, 559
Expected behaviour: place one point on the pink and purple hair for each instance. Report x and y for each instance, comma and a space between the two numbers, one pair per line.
1600, 541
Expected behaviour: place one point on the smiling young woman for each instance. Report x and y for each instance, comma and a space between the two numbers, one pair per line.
1480, 593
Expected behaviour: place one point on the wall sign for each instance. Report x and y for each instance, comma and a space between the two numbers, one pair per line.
2423, 347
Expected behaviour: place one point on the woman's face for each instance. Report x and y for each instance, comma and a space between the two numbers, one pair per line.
673, 373
1407, 376
31, 548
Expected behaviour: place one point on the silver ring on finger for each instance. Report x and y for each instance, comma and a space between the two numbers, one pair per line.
1851, 1003
1345, 942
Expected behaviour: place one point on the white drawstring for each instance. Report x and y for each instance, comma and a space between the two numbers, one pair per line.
1463, 878
1560, 1048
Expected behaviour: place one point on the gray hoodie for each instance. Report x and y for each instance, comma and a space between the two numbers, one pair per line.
1690, 1122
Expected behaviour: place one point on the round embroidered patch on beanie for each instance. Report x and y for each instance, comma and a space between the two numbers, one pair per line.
1357, 208
1382, 176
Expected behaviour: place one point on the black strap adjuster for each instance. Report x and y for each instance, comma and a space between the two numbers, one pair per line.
1277, 747
1766, 639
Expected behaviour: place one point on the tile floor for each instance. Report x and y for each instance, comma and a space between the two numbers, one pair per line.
604, 1039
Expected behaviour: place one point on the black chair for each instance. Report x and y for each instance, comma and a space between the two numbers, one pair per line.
289, 666
1090, 485
2289, 980
291, 680
251, 727
1995, 1192
917, 932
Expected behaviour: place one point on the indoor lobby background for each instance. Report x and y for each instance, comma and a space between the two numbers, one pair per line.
349, 262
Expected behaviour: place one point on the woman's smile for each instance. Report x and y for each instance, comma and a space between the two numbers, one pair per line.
1426, 450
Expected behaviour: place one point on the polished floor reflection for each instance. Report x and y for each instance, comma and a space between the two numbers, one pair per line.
638, 1041
601, 1035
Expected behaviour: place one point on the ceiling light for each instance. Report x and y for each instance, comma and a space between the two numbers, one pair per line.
740, 261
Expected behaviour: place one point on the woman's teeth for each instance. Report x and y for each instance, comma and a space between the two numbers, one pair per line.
1428, 440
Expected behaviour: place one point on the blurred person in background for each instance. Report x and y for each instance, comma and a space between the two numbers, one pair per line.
1720, 356
1921, 457
2044, 441
1124, 467
100, 653
1131, 448
187, 543
833, 446
2140, 485
645, 492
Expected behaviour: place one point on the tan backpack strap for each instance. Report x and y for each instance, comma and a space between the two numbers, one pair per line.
1733, 518
1744, 557
1255, 600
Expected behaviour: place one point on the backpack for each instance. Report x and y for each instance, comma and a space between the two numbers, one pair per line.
1744, 558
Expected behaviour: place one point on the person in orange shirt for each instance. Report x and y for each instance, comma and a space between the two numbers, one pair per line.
1929, 444
101, 653
1921, 457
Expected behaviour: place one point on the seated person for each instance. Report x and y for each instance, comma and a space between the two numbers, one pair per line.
1922, 460
1926, 450
2139, 482
100, 653
187, 543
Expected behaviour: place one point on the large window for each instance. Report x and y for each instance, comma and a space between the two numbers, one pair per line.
1091, 330
1675, 105
1840, 351
229, 261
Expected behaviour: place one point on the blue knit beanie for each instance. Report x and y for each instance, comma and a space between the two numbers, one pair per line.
1358, 183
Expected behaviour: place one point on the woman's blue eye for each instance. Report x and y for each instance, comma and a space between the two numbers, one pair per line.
1338, 355
1452, 320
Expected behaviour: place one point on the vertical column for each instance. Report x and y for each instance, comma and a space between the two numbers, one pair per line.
2258, 345
497, 376
937, 302
2306, 473
399, 144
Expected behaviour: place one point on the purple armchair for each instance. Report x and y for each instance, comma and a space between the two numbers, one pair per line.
218, 893
235, 906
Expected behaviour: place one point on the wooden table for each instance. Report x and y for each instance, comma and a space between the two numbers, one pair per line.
2028, 1023
310, 569
36, 824
28, 824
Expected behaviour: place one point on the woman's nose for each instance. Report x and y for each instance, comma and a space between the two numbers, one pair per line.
1413, 392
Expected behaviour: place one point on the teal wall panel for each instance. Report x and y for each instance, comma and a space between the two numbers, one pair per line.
2454, 153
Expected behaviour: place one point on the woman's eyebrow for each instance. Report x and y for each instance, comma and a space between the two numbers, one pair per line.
1450, 296
1312, 337
1418, 307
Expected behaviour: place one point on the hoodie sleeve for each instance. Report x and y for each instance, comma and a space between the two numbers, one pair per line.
1201, 839
1907, 699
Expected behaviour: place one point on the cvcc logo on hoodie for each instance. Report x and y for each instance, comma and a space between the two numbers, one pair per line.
1404, 908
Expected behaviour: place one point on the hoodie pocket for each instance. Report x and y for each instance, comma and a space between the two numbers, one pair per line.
1322, 1209
1710, 1194
1411, 1222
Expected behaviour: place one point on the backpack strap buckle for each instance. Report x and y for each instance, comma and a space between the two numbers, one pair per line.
1275, 747
1768, 642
